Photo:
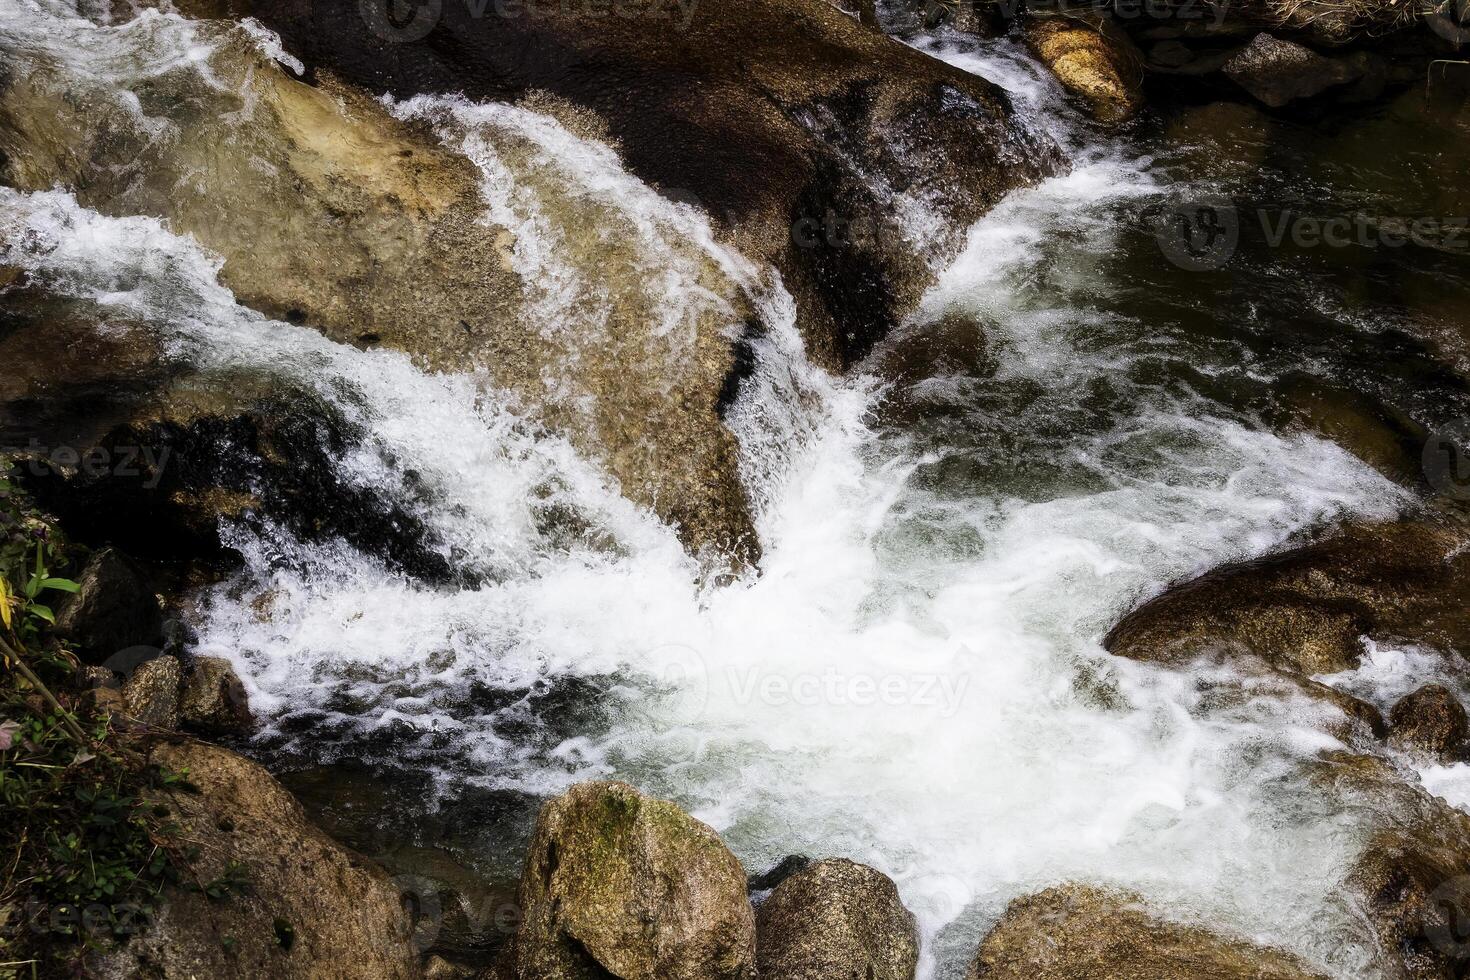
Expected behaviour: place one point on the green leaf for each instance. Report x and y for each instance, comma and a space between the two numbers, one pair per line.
61, 585
42, 612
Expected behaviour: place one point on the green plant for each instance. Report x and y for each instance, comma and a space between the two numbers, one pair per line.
85, 855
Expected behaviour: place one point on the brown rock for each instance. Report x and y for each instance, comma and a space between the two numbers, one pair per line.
1096, 61
304, 906
1411, 880
770, 113
151, 694
213, 700
1277, 72
1303, 610
836, 919
1431, 721
1076, 932
620, 885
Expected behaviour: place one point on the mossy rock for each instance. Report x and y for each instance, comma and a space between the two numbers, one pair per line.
620, 885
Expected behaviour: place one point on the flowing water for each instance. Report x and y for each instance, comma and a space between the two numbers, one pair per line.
914, 679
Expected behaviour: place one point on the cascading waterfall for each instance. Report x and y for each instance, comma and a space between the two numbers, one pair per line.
914, 679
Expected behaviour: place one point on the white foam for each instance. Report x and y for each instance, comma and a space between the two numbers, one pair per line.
915, 680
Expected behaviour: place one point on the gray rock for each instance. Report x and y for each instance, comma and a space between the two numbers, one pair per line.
1277, 72
213, 700
151, 694
837, 919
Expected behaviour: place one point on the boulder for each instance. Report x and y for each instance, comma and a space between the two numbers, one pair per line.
1411, 878
1077, 932
1430, 722
836, 919
620, 885
296, 904
402, 256
1095, 61
1304, 609
844, 157
1277, 72
151, 694
113, 609
213, 700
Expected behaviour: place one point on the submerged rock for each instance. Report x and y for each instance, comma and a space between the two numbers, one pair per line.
836, 919
1097, 62
620, 885
1077, 932
1432, 722
113, 610
301, 906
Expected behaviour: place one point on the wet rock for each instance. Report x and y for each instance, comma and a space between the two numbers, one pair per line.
1277, 72
790, 121
304, 907
620, 885
1096, 61
1304, 610
113, 609
210, 450
836, 919
1431, 721
213, 700
789, 865
1411, 879
402, 257
151, 694
1075, 931
438, 968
